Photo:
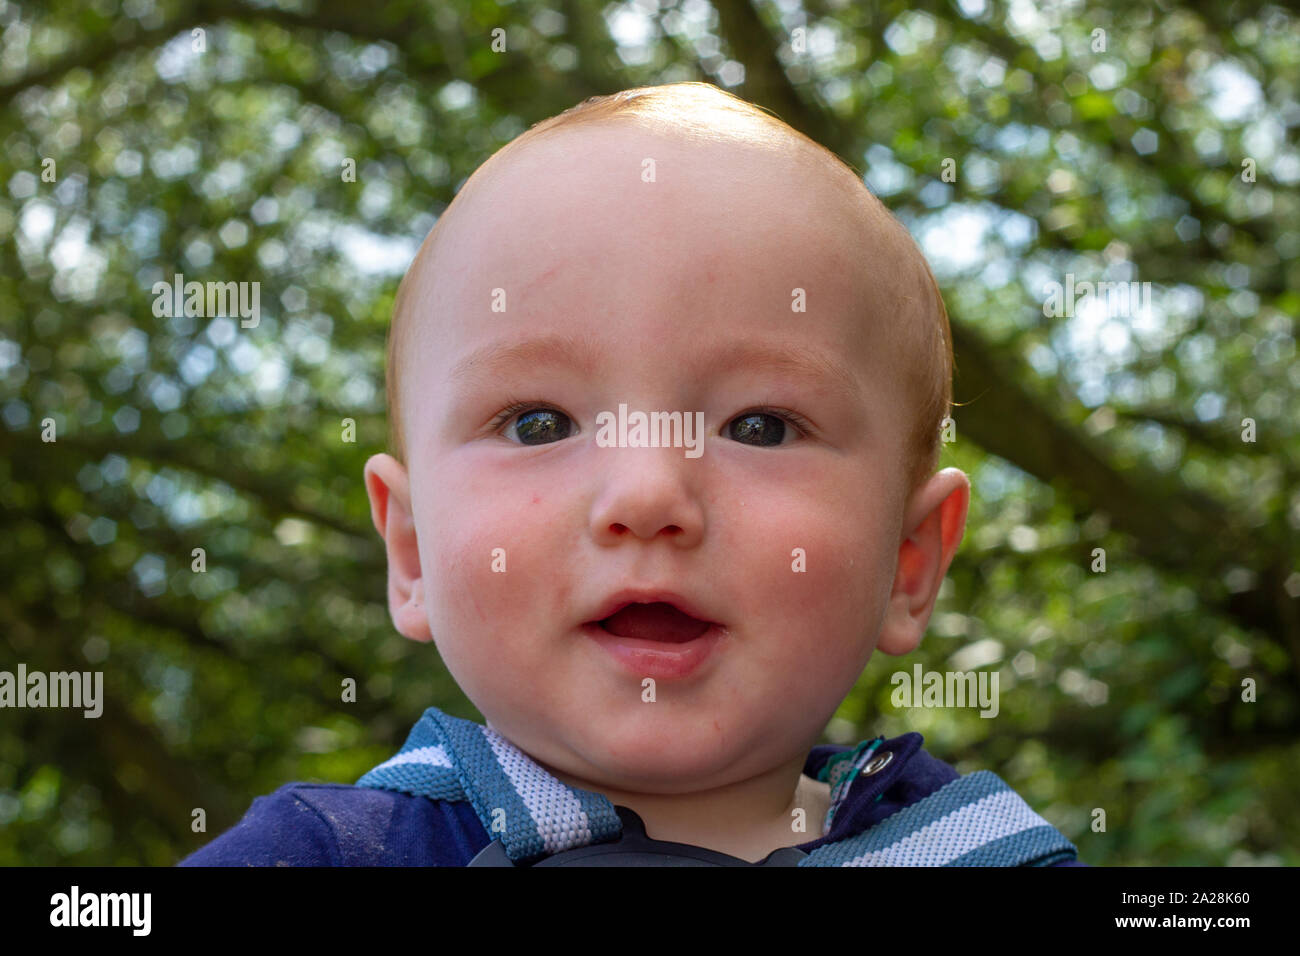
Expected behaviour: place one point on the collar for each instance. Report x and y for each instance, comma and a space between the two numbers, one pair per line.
865, 773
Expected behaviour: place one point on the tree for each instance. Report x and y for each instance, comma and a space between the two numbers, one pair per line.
1106, 144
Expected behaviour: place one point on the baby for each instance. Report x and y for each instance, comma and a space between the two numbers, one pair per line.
666, 385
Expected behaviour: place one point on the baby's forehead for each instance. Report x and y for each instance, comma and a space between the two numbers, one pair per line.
637, 168
594, 192
590, 214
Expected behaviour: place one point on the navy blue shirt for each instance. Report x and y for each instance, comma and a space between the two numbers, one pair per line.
336, 824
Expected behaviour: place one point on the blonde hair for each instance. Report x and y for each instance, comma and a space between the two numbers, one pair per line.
705, 112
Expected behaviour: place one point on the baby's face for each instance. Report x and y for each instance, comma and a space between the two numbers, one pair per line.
675, 296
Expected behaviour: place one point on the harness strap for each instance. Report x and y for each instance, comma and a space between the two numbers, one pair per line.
975, 820
533, 813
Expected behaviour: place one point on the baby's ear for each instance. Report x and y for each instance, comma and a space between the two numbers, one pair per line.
390, 510
932, 529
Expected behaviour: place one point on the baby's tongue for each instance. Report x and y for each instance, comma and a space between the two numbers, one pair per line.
655, 622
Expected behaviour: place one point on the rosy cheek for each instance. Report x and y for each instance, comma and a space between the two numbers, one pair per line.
500, 576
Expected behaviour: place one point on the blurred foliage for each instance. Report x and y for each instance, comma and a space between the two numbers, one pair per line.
1121, 690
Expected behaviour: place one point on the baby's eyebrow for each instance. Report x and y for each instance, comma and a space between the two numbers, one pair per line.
494, 360
789, 360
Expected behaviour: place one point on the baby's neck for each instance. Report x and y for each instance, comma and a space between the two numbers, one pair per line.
747, 820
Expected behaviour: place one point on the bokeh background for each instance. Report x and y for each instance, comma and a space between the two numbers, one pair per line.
1113, 141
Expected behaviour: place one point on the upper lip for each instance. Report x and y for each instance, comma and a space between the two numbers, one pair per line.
621, 599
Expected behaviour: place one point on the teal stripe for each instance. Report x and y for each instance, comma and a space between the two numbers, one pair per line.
602, 818
421, 780
1037, 846
438, 783
489, 789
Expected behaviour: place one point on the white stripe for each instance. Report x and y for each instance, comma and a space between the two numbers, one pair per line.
942, 841
431, 756
561, 822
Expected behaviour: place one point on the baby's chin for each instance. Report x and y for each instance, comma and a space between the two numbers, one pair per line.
649, 755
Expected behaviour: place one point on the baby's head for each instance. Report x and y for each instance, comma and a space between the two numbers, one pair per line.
666, 249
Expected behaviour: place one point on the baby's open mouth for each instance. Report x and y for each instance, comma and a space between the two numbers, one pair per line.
655, 622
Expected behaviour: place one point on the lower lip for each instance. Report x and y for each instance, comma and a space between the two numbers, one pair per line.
658, 659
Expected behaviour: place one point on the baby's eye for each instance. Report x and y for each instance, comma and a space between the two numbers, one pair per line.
764, 427
537, 424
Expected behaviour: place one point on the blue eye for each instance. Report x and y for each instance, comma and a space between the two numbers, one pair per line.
765, 426
538, 424
542, 424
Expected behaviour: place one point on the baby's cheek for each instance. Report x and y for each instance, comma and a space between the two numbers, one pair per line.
804, 558
823, 587
498, 576
472, 563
